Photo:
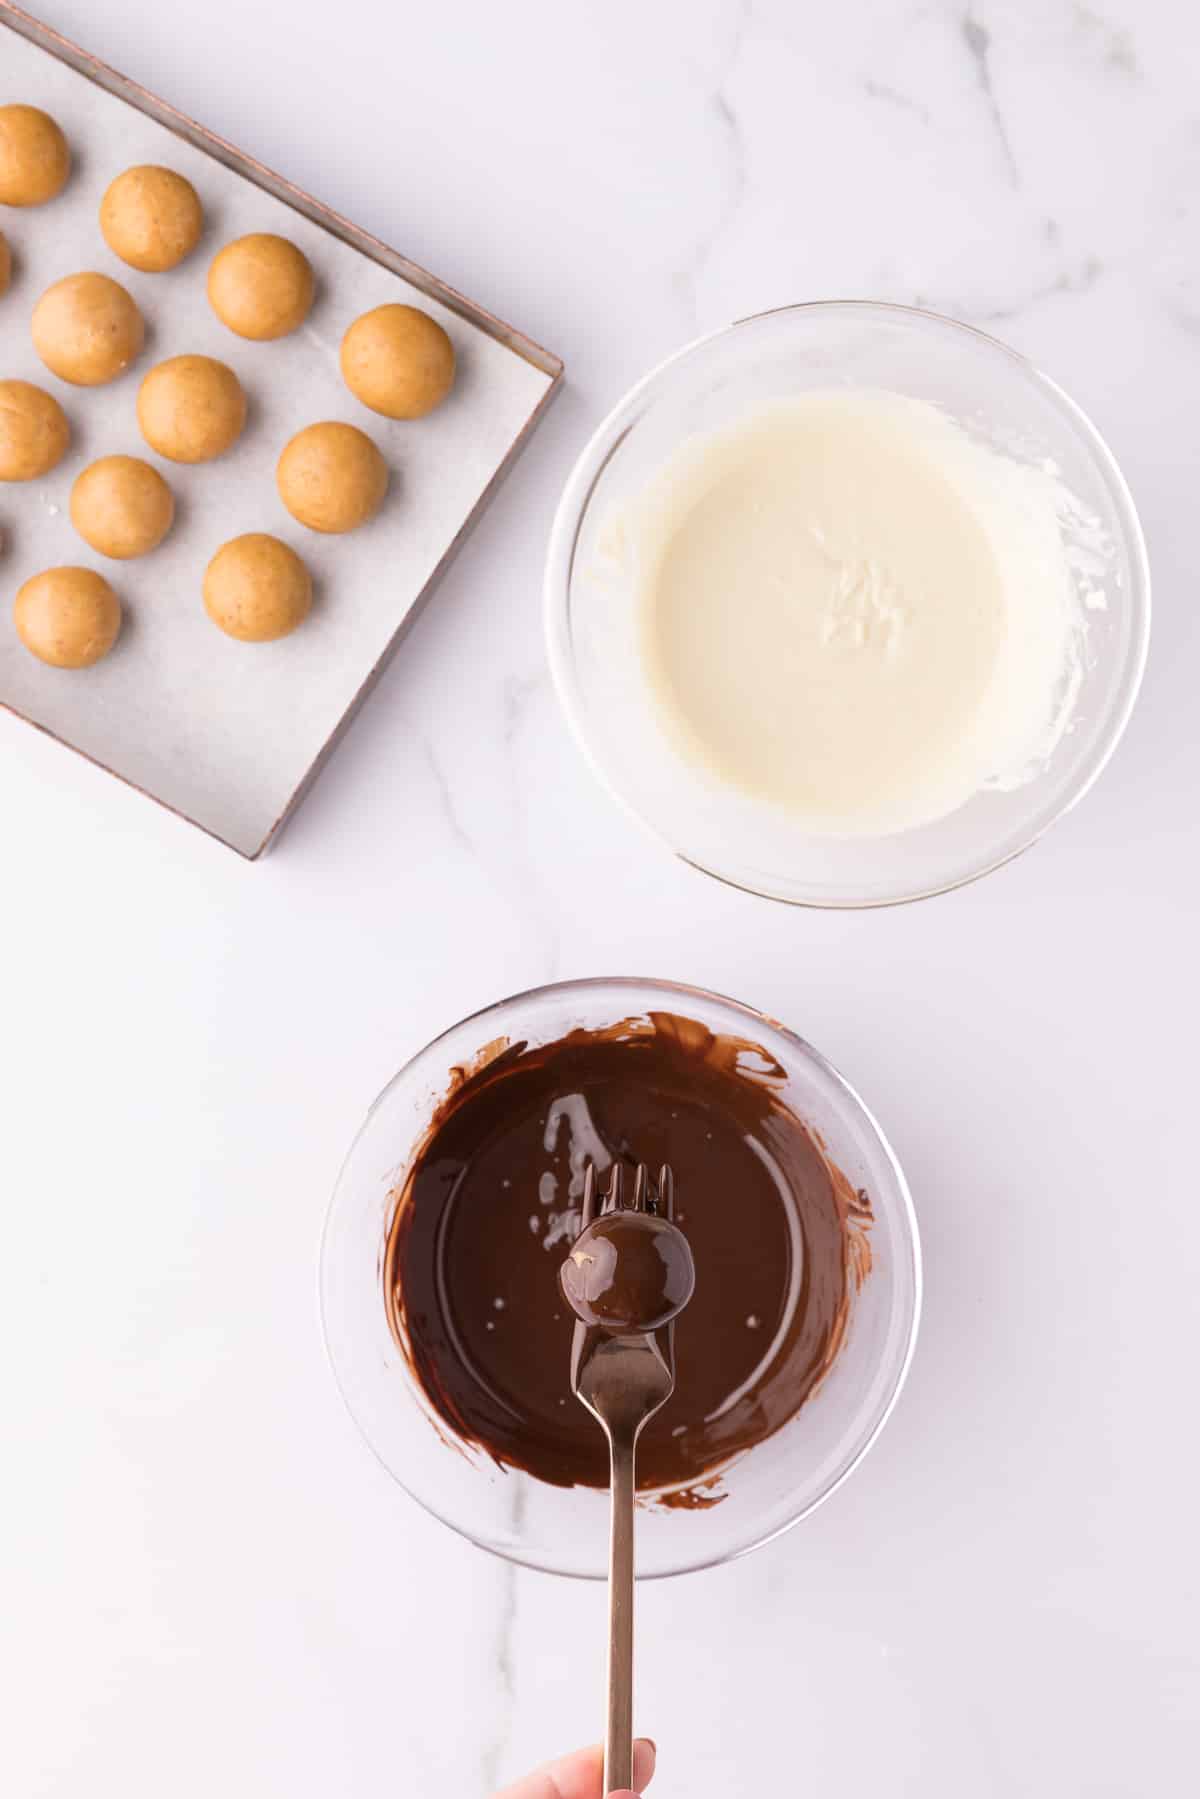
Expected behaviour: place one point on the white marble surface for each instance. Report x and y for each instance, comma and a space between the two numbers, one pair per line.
209, 1586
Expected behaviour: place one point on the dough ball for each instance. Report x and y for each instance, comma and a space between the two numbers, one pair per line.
398, 361
5, 264
34, 158
34, 433
151, 218
121, 506
331, 477
86, 329
260, 286
68, 617
256, 588
191, 408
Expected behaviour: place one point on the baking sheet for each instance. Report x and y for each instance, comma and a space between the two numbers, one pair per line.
226, 733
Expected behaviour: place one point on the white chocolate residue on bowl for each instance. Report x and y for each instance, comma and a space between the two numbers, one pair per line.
855, 610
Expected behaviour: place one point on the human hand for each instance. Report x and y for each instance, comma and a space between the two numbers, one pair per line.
579, 1776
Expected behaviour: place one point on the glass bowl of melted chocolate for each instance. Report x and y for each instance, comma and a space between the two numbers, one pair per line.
459, 1202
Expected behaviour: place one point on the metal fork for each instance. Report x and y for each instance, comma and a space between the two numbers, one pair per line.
623, 1381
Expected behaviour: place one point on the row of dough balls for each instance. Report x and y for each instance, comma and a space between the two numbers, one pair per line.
331, 476
255, 588
87, 328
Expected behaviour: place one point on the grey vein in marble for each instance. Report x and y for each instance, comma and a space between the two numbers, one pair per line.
517, 694
880, 90
458, 830
978, 40
502, 1662
1120, 53
687, 278
1079, 280
504, 1655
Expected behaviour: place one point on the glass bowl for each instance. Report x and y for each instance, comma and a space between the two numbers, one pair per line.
591, 612
565, 1530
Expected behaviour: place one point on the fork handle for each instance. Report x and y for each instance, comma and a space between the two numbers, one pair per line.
618, 1747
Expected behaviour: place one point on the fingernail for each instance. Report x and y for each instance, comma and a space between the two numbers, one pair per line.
645, 1755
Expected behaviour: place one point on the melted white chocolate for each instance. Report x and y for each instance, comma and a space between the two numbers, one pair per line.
853, 609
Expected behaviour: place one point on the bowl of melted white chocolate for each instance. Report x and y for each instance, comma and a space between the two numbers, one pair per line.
847, 603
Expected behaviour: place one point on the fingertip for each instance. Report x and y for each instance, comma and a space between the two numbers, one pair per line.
645, 1756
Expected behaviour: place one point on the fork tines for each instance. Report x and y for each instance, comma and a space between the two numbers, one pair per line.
587, 1210
657, 1198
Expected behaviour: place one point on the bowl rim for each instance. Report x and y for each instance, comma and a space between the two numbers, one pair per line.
607, 438
651, 985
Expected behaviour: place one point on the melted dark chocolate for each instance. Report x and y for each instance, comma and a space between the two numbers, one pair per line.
489, 1209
